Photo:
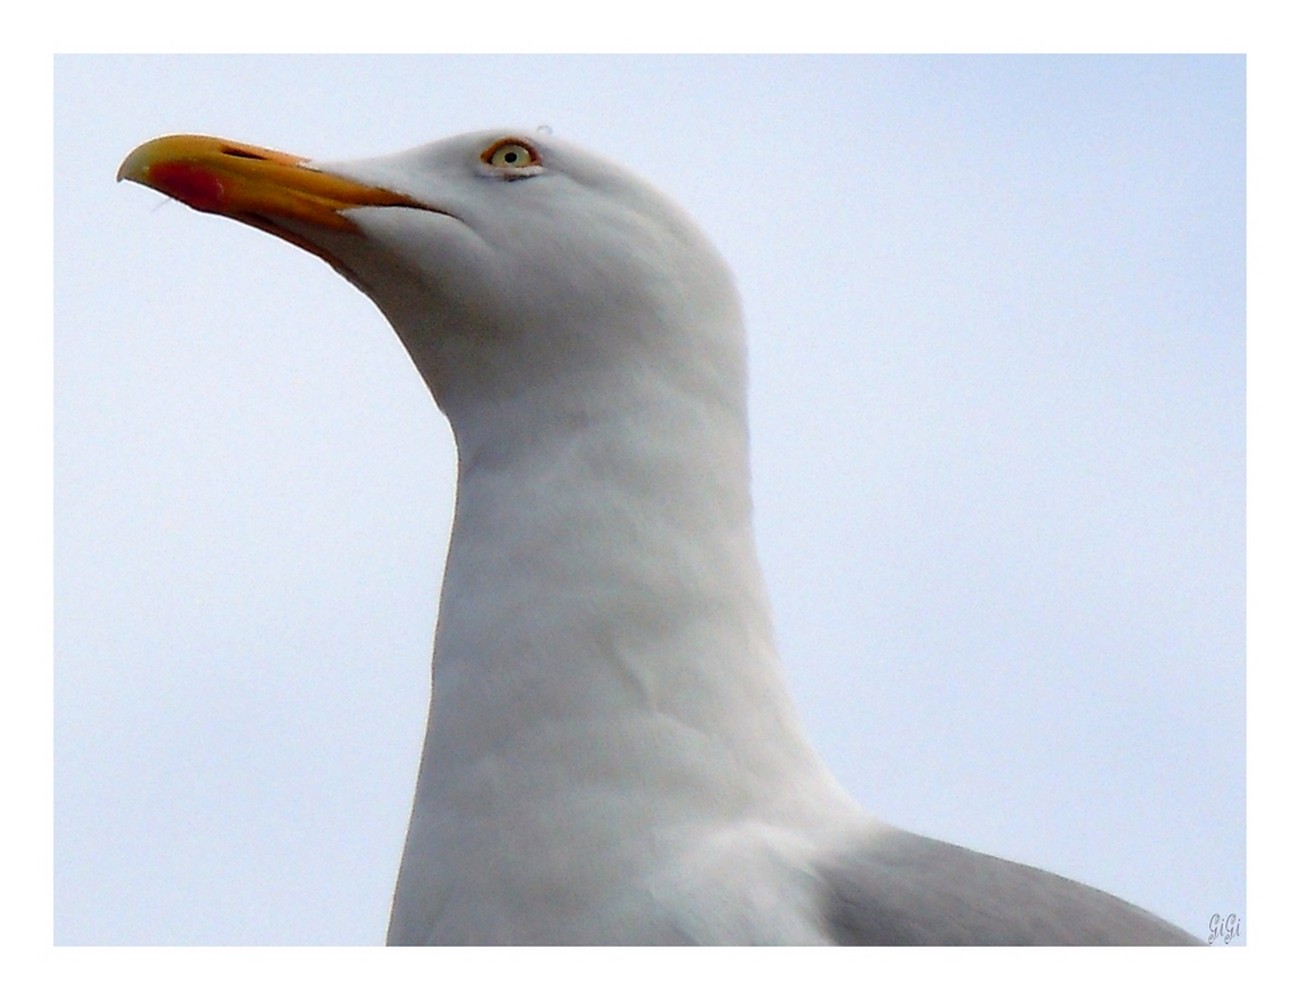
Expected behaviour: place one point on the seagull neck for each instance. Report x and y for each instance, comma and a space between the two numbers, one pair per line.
602, 586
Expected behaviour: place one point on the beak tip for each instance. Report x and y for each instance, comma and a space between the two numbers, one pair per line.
136, 165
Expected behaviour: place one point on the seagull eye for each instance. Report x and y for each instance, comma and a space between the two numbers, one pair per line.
510, 154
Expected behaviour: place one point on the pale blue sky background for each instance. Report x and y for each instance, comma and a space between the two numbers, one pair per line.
996, 310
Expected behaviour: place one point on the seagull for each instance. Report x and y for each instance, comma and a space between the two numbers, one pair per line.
612, 755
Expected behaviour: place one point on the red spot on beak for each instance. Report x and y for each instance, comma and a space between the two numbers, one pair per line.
197, 186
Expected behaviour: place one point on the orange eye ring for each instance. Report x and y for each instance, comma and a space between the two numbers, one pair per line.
511, 154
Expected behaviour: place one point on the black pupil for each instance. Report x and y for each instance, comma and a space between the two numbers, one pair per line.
511, 156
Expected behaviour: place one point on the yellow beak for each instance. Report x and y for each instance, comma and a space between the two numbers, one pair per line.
257, 186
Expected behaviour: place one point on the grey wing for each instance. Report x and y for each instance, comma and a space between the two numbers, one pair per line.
900, 888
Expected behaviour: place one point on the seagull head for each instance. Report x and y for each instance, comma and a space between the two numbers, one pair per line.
513, 265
